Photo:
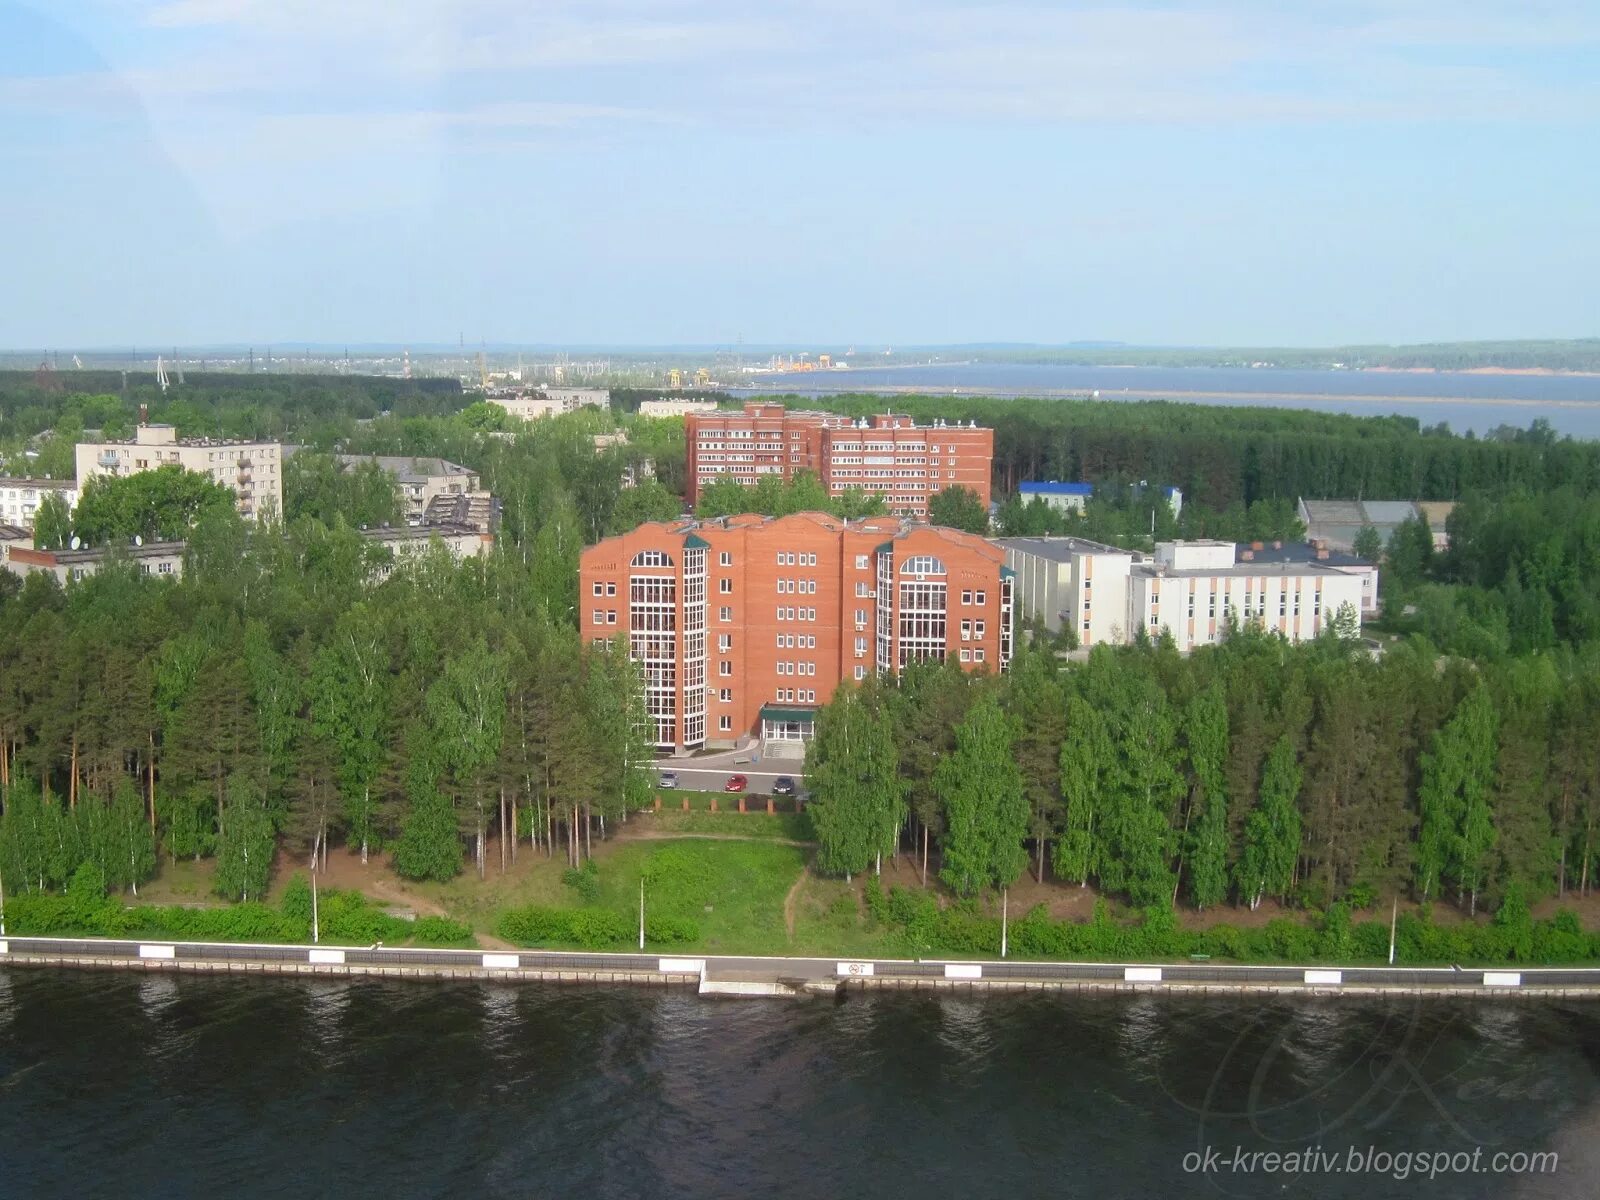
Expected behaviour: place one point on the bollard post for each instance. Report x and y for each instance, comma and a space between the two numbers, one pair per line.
658, 801
686, 804
770, 809
741, 804
713, 804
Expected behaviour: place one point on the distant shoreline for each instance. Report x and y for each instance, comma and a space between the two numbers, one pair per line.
1134, 394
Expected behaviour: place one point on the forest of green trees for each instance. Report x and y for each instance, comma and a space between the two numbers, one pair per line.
1221, 456
1310, 775
280, 695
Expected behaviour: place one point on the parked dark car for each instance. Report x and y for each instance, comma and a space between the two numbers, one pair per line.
736, 783
783, 786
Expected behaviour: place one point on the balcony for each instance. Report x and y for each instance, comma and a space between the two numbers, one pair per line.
108, 459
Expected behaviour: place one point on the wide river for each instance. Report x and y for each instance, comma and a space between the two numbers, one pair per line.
133, 1086
1571, 403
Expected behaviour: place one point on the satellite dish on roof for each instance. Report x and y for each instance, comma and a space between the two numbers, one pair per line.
76, 543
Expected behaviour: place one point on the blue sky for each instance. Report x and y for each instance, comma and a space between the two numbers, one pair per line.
798, 171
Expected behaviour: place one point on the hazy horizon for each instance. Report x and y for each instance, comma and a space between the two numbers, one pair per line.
690, 173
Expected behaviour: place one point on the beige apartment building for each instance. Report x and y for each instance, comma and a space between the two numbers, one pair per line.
421, 480
253, 471
20, 498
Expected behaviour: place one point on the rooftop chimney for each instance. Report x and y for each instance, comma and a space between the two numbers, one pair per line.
1257, 546
144, 414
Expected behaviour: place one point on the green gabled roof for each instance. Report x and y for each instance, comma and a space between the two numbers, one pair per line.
695, 542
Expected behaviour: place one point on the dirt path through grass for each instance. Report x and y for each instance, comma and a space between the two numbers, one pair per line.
789, 902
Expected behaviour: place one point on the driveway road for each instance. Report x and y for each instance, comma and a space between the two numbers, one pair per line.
711, 779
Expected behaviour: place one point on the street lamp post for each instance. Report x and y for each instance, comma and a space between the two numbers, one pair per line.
641, 912
315, 932
1005, 900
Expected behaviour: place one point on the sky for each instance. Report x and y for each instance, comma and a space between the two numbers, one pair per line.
654, 172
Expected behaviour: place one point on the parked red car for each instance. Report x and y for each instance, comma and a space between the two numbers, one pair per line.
736, 783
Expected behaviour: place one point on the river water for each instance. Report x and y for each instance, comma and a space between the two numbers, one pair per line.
124, 1085
1571, 403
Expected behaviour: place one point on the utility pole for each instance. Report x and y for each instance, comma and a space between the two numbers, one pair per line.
1394, 917
641, 913
315, 931
3, 903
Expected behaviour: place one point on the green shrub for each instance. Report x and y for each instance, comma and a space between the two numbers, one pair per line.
670, 931
584, 880
439, 931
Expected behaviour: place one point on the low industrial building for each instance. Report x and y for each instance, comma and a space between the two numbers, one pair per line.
675, 408
1336, 522
1188, 590
20, 498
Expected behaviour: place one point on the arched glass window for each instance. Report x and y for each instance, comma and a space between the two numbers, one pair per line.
652, 558
922, 564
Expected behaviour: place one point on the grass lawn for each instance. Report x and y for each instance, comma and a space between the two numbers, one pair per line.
733, 891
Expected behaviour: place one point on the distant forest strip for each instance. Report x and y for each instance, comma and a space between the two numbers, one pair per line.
1222, 455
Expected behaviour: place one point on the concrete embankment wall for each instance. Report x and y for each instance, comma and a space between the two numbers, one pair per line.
753, 976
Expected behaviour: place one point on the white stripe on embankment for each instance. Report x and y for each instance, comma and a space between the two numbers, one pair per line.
5, 947
501, 962
327, 957
158, 951
1502, 979
1326, 977
963, 971
1141, 974
853, 970
682, 966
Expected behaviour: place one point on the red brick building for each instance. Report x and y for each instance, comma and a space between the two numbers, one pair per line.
904, 461
747, 624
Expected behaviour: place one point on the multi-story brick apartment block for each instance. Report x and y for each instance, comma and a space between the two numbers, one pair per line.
747, 624
251, 470
20, 498
905, 462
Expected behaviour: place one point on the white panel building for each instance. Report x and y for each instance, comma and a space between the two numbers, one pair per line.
1186, 589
